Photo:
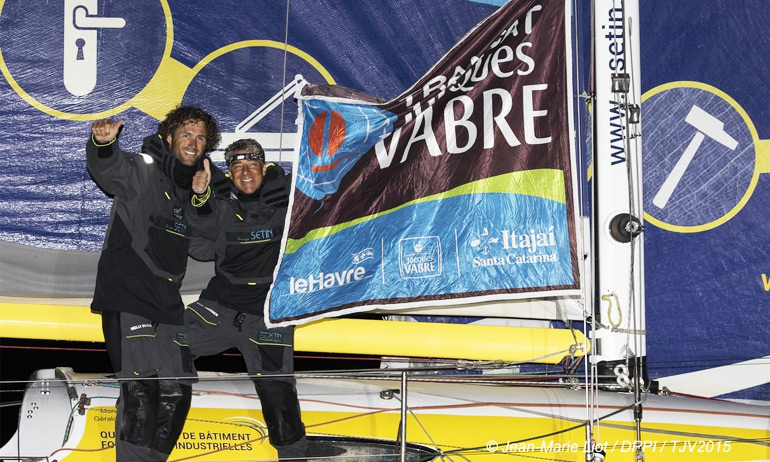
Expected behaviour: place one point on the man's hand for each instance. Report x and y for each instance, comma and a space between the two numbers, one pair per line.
105, 130
202, 178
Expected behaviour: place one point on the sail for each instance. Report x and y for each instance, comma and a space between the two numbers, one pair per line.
52, 215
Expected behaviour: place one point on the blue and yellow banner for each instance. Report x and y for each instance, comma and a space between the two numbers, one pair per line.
459, 189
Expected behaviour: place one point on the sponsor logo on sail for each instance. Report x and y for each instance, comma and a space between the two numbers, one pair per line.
363, 255
325, 280
514, 247
419, 257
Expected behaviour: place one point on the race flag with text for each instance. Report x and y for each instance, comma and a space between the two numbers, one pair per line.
459, 190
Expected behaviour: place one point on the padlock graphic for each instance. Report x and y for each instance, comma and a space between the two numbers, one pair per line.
80, 48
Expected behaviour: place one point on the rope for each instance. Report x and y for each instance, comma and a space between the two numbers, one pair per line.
283, 81
609, 299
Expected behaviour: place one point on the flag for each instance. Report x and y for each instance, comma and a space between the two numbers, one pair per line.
458, 190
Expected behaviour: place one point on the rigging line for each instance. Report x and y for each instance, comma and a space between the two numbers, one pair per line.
505, 364
563, 430
701, 436
103, 350
107, 381
631, 167
376, 374
73, 450
580, 161
592, 382
70, 419
519, 454
23, 347
634, 138
239, 424
444, 457
592, 63
591, 370
578, 175
347, 418
283, 82
631, 58
12, 390
419, 423
521, 376
590, 373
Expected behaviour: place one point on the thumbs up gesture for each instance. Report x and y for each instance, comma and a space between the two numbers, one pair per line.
202, 178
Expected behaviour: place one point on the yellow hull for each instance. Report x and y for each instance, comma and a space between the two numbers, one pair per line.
459, 421
345, 336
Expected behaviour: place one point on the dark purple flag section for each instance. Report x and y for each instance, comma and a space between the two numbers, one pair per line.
519, 52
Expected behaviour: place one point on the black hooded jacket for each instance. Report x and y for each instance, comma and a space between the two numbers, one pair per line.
144, 256
244, 240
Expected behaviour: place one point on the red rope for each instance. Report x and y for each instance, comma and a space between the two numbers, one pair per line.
20, 347
103, 350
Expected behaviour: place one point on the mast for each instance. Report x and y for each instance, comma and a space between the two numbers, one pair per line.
618, 246
619, 331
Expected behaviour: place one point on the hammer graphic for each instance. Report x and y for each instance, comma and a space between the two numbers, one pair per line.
707, 125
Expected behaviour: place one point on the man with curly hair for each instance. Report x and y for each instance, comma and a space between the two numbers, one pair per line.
141, 267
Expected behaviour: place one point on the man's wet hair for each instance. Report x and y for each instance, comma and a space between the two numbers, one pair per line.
181, 115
